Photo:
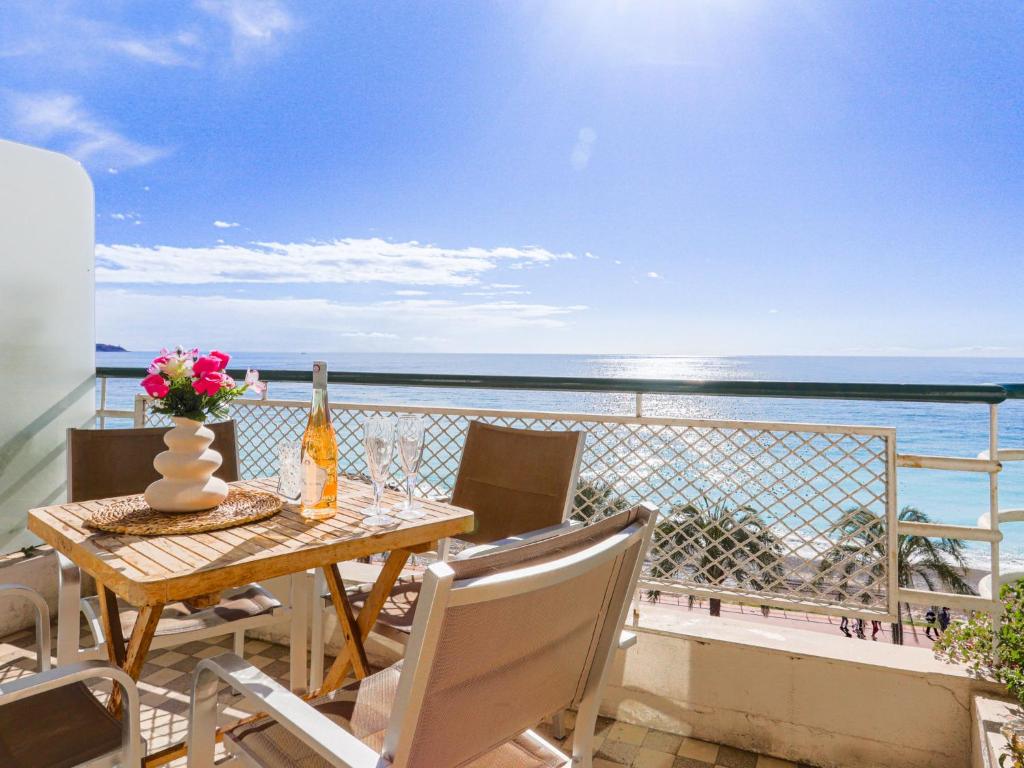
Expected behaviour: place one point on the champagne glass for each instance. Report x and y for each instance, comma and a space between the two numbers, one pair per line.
409, 439
379, 444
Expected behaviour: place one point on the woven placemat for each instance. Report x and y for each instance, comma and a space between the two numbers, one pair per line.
133, 515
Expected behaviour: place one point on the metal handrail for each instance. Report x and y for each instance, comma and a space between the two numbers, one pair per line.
919, 393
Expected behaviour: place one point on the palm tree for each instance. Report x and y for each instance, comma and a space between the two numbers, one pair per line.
714, 544
857, 559
596, 499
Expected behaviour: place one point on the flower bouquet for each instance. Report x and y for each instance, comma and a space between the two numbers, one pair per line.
191, 388
186, 385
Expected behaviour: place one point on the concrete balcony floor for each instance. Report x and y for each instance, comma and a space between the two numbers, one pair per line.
167, 675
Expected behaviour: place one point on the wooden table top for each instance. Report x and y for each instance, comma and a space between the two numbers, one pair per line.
152, 570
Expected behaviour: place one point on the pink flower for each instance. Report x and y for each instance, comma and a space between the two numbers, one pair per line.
252, 381
155, 385
228, 383
205, 365
158, 364
224, 357
209, 383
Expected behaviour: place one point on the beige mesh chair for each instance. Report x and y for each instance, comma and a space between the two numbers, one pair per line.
501, 641
52, 720
118, 462
516, 481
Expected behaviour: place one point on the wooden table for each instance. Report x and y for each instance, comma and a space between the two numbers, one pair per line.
151, 571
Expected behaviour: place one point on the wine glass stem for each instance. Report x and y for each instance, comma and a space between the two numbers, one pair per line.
378, 491
410, 488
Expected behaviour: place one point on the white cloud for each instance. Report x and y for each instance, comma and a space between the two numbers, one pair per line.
225, 224
253, 24
336, 262
148, 321
653, 275
584, 148
405, 292
61, 122
496, 293
70, 37
179, 50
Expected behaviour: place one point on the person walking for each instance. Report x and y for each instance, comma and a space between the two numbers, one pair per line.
930, 625
876, 627
860, 629
943, 619
844, 626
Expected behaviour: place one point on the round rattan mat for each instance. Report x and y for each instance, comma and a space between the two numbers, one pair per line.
134, 516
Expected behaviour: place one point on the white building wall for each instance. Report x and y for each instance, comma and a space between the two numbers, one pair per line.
47, 338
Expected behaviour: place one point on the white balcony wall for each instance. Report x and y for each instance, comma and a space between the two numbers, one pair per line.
47, 336
803, 696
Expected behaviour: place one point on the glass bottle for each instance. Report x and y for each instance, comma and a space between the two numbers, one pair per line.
319, 453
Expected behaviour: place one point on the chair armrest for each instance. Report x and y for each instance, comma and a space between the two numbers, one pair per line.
329, 740
26, 687
69, 609
524, 538
42, 619
627, 639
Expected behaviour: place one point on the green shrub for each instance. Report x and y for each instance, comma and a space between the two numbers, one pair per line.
970, 642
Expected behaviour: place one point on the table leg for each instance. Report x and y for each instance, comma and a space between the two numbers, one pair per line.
347, 622
110, 616
138, 647
364, 622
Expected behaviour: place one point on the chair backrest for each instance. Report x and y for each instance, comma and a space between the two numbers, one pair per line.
516, 480
507, 638
119, 462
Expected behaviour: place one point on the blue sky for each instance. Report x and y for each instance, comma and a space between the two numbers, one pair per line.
710, 177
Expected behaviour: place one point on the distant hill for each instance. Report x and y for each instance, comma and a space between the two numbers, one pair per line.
109, 348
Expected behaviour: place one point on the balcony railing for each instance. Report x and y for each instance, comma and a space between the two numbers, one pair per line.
750, 510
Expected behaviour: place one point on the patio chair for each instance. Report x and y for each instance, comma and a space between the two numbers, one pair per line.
474, 683
516, 481
52, 720
118, 462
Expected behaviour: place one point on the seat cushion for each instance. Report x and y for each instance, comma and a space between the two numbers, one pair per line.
57, 729
240, 603
363, 708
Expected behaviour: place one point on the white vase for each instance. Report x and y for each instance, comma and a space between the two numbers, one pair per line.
187, 467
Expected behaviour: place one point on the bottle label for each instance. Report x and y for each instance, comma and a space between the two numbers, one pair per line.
314, 478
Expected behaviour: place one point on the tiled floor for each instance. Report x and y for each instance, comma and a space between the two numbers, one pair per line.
166, 679
619, 745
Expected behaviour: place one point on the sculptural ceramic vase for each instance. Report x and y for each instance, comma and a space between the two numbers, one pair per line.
187, 468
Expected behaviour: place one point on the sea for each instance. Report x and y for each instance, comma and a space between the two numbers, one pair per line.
922, 428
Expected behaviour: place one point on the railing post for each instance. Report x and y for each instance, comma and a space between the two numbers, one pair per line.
140, 411
639, 404
993, 506
892, 517
103, 402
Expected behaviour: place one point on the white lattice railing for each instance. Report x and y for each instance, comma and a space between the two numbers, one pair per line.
749, 511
